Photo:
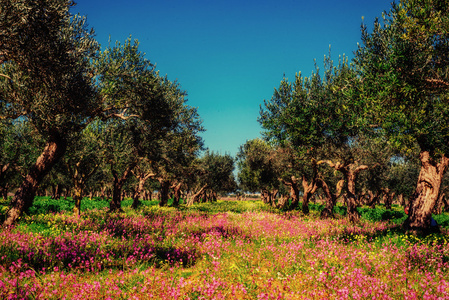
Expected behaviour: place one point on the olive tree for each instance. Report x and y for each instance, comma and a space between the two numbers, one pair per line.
257, 162
403, 66
45, 78
315, 117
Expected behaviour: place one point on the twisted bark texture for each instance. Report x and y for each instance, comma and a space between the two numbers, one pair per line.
426, 194
23, 198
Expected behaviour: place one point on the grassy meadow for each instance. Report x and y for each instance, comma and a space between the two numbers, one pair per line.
220, 250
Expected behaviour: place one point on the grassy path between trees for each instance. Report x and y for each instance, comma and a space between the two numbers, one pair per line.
222, 250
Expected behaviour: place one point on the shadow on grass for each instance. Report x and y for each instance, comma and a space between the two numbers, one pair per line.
175, 256
221, 231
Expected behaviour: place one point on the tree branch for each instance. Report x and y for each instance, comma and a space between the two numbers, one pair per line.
122, 116
340, 185
6, 76
360, 168
329, 162
14, 116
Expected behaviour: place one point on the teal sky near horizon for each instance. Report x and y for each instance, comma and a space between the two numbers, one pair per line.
230, 55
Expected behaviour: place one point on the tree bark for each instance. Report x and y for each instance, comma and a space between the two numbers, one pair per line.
214, 196
195, 197
163, 192
374, 198
294, 191
24, 196
78, 195
446, 203
116, 202
265, 196
177, 193
283, 202
309, 189
438, 208
331, 199
272, 197
269, 197
350, 174
79, 179
426, 194
142, 178
401, 200
4, 189
388, 198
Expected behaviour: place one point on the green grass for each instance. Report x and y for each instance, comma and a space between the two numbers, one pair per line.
44, 205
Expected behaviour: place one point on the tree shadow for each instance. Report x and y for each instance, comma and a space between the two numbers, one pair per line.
221, 231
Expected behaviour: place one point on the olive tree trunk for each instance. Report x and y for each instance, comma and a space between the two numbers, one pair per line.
294, 191
4, 189
24, 196
309, 190
388, 198
283, 201
350, 173
331, 198
426, 194
351, 177
195, 197
117, 195
373, 198
163, 192
177, 193
141, 178
77, 196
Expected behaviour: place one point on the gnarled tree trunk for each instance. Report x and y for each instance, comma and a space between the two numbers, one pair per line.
374, 198
331, 199
195, 197
213, 196
265, 196
4, 189
388, 198
272, 197
79, 179
438, 208
351, 176
177, 193
426, 194
142, 178
116, 202
77, 196
163, 192
24, 196
269, 197
283, 201
294, 191
445, 203
350, 173
401, 200
309, 189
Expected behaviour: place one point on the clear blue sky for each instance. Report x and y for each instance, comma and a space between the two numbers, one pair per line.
230, 55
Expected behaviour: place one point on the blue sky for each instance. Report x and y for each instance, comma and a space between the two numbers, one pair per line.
230, 55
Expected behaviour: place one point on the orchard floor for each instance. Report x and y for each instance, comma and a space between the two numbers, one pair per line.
222, 250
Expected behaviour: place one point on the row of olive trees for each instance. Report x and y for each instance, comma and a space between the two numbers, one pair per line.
88, 110
103, 150
280, 174
364, 117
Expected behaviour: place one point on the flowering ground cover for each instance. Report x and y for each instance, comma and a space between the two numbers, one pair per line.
223, 250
